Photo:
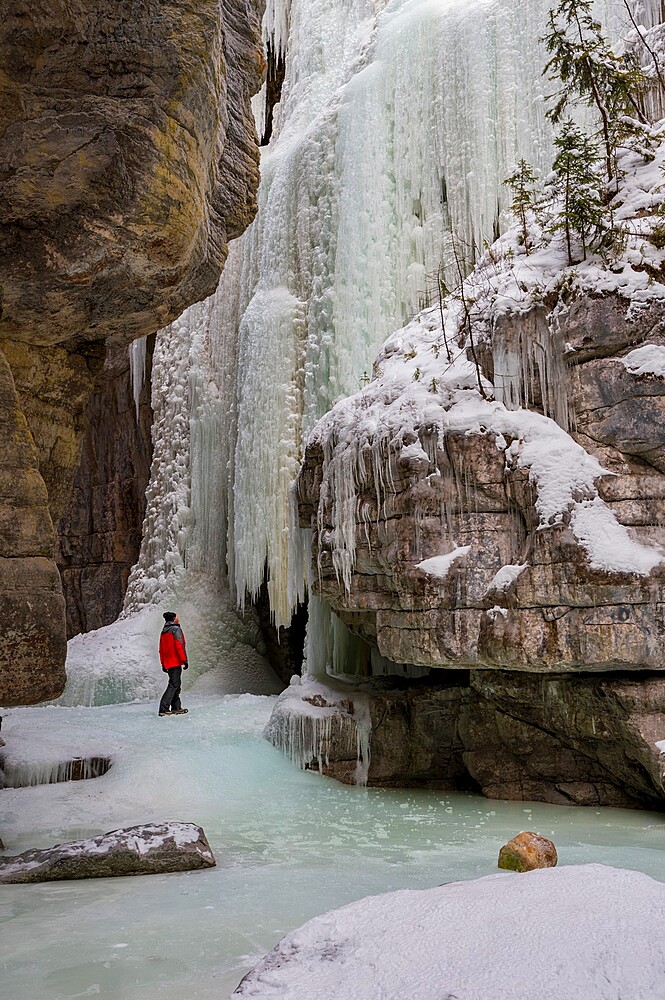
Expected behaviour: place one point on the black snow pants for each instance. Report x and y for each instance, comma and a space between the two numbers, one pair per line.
171, 698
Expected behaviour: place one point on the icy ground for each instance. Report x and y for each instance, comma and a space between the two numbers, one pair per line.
587, 933
289, 845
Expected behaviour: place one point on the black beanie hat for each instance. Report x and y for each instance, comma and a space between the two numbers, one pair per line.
170, 616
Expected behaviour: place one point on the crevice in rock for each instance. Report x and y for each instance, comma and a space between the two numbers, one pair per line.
274, 81
99, 533
285, 647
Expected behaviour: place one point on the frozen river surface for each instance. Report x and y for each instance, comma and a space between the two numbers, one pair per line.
288, 844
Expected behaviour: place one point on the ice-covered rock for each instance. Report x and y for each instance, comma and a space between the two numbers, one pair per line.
137, 850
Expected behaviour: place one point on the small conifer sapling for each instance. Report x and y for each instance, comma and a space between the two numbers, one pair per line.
577, 188
522, 184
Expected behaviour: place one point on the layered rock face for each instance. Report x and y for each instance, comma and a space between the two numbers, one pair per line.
128, 159
99, 533
458, 493
565, 739
453, 562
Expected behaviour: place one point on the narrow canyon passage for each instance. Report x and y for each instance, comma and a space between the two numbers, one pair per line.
289, 845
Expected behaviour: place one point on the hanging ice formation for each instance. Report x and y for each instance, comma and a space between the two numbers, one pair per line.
137, 360
397, 123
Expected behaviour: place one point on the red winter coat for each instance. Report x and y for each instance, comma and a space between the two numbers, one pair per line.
172, 649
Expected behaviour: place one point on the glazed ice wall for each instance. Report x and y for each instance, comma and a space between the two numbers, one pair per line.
397, 122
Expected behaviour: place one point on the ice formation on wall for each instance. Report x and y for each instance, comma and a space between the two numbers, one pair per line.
137, 361
311, 719
397, 124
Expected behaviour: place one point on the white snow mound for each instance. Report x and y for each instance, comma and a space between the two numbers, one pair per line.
577, 933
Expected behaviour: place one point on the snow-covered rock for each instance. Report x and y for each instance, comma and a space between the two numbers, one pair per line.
579, 933
531, 541
138, 850
515, 432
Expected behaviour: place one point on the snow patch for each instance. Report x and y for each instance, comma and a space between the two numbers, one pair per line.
648, 360
440, 566
506, 577
608, 543
493, 613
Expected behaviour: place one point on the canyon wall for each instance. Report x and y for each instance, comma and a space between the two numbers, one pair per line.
128, 160
99, 533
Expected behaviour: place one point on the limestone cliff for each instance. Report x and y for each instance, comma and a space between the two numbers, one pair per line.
493, 502
33, 609
128, 160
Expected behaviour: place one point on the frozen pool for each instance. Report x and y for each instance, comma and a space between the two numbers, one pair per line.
288, 844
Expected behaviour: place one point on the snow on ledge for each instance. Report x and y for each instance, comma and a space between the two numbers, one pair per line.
581, 933
608, 543
648, 360
440, 566
506, 577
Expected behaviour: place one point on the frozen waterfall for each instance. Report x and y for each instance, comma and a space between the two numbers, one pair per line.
397, 123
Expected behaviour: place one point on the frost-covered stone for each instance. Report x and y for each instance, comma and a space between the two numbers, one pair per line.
526, 852
138, 850
568, 739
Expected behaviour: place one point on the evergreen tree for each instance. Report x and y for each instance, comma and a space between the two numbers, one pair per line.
522, 183
589, 70
577, 187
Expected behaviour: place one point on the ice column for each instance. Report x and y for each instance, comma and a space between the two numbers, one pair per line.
167, 517
137, 356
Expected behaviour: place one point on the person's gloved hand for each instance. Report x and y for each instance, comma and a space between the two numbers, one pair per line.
186, 665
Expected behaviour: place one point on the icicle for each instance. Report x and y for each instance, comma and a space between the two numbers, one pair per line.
27, 774
276, 25
137, 359
314, 725
363, 720
534, 358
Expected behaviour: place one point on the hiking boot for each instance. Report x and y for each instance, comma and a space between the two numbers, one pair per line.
180, 711
166, 713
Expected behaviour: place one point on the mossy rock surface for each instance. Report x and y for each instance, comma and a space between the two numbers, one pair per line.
526, 852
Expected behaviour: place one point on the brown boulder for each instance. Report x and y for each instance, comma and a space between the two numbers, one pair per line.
526, 852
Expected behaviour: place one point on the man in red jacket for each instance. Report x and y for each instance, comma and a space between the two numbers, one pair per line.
173, 657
